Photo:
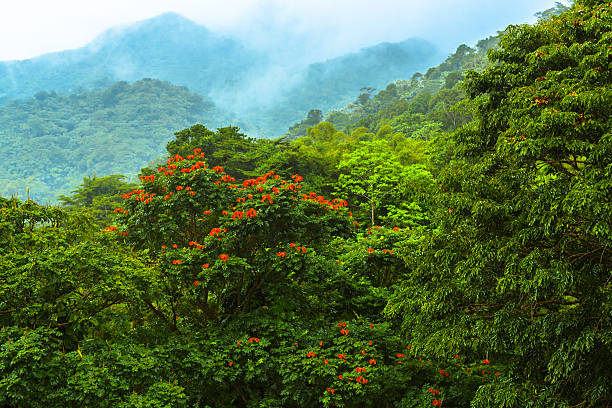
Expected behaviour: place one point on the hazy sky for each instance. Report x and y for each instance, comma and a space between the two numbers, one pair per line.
33, 27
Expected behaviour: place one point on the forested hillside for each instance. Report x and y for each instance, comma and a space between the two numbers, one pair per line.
50, 142
258, 91
443, 242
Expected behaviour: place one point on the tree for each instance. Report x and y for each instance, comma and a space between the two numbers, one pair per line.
518, 271
370, 173
99, 195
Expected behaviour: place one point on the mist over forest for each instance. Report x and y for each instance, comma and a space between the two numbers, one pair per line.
195, 216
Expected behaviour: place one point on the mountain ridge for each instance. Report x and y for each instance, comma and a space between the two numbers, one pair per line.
250, 87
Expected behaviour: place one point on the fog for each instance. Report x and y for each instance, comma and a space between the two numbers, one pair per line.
33, 27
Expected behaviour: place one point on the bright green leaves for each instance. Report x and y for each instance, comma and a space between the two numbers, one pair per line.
520, 265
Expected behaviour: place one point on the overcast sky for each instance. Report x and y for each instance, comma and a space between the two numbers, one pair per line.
34, 27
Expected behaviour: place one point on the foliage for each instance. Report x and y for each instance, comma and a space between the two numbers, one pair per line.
98, 195
219, 283
519, 268
57, 140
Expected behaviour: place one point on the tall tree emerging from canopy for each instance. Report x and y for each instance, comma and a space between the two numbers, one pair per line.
520, 270
371, 174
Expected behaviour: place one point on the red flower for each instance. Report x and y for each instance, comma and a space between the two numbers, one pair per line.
230, 363
196, 283
254, 339
310, 354
341, 357
372, 361
292, 245
340, 377
281, 254
205, 266
224, 257
486, 362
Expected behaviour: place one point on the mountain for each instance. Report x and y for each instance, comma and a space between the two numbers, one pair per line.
252, 87
337, 82
168, 47
48, 143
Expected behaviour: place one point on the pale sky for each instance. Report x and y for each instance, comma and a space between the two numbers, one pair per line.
33, 27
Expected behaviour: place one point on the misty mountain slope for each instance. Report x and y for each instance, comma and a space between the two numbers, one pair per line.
262, 91
50, 142
168, 47
335, 83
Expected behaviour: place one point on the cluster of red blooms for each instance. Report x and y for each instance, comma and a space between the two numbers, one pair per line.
177, 262
226, 177
437, 403
216, 231
361, 380
267, 197
310, 354
260, 180
281, 254
334, 204
110, 229
150, 178
224, 257
250, 213
119, 210
487, 362
331, 391
196, 244
253, 339
443, 373
389, 251
344, 332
